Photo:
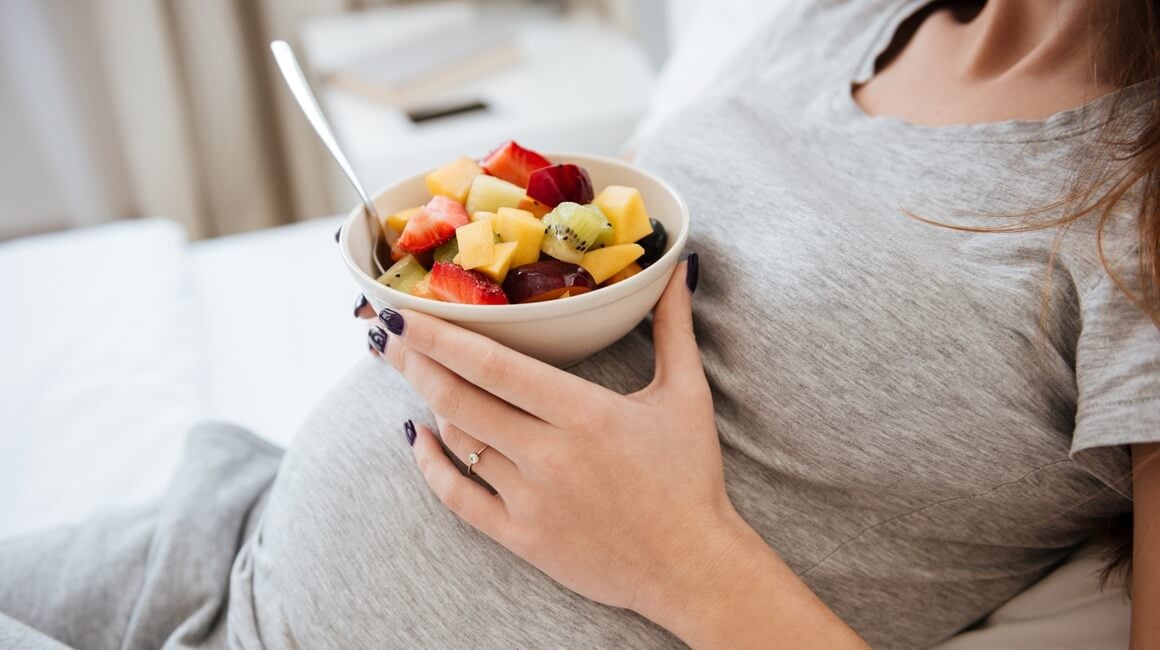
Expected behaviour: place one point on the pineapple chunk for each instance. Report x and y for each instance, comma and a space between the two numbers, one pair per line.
489, 194
523, 228
422, 288
453, 180
501, 263
518, 213
625, 273
481, 215
624, 208
476, 244
603, 263
399, 220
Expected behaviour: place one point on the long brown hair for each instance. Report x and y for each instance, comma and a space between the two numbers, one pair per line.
1125, 171
1128, 37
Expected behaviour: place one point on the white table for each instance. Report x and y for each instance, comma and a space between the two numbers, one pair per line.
579, 86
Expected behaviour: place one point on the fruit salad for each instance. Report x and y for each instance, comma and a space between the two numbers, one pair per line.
514, 228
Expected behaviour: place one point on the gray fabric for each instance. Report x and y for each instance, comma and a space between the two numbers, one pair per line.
152, 578
894, 421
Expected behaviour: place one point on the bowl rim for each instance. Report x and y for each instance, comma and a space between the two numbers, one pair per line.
535, 310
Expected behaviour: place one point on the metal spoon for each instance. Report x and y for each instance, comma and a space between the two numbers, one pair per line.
296, 81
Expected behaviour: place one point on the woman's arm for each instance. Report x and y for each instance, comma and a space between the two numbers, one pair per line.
1146, 546
620, 498
746, 597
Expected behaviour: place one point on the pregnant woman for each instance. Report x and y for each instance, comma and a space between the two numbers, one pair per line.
926, 368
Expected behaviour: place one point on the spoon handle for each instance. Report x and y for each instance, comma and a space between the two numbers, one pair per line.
292, 73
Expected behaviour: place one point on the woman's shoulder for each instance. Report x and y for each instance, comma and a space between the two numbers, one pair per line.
815, 36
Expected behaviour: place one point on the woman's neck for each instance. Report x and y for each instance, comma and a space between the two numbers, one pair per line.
971, 61
1026, 37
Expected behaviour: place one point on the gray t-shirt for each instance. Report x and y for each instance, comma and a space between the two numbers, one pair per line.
895, 422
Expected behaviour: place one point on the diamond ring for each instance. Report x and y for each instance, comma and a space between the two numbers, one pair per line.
473, 458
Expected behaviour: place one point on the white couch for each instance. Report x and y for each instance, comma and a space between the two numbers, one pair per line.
116, 339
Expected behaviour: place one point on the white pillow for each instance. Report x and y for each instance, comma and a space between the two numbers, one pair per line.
274, 312
1066, 609
99, 381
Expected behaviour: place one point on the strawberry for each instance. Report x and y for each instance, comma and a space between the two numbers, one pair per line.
433, 226
451, 283
397, 253
513, 163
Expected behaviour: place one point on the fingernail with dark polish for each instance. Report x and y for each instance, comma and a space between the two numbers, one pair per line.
694, 270
409, 429
393, 320
359, 304
377, 338
336, 233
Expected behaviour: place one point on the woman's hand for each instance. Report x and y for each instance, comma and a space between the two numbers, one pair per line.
608, 494
620, 498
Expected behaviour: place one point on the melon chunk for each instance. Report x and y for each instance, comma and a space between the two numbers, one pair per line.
453, 180
537, 209
523, 228
398, 220
489, 194
624, 208
625, 273
501, 262
603, 263
481, 215
476, 244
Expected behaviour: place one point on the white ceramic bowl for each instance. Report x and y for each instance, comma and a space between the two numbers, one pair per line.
560, 332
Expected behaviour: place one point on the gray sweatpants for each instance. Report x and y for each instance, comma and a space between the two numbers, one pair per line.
156, 577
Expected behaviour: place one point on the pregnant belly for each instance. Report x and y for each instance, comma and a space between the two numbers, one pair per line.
354, 551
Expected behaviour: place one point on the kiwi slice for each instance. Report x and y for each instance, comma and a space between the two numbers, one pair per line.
404, 274
605, 236
571, 230
448, 251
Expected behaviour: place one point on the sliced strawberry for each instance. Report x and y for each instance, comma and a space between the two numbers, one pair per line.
397, 253
433, 226
450, 283
513, 163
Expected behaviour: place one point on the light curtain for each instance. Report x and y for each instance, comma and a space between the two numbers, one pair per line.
123, 108
210, 135
132, 108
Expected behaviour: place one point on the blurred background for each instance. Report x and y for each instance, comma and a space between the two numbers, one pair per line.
114, 109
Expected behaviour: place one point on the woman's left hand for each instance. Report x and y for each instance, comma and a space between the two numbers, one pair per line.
618, 497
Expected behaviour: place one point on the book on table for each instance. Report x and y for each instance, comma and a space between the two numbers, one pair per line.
407, 73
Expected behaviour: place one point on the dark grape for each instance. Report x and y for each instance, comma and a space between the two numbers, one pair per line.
653, 244
559, 183
546, 280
